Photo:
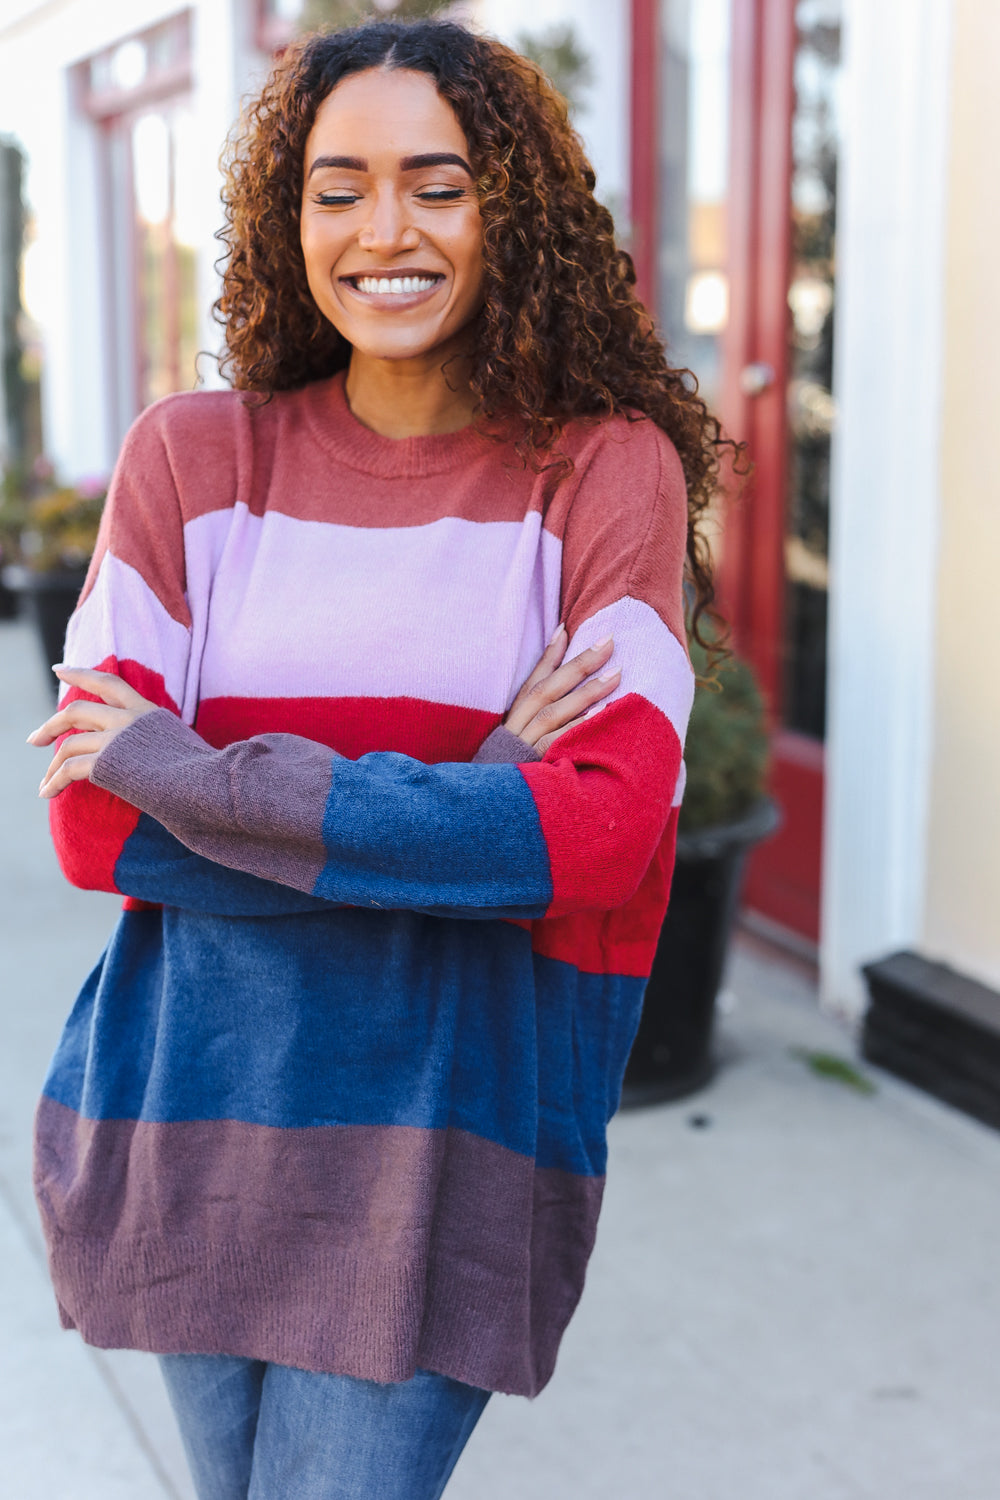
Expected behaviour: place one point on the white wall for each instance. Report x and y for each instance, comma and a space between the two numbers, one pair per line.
886, 488
962, 916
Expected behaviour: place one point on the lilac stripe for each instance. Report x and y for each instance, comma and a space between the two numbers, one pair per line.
364, 1250
652, 659
452, 612
682, 777
204, 544
122, 617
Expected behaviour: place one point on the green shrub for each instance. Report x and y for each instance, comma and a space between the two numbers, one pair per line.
727, 746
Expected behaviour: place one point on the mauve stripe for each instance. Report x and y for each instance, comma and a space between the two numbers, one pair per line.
504, 748
122, 617
454, 612
268, 828
623, 522
366, 1251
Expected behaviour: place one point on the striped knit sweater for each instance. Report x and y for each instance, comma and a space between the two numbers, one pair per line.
336, 1093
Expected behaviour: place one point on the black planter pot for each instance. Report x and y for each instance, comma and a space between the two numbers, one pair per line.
49, 600
9, 601
672, 1053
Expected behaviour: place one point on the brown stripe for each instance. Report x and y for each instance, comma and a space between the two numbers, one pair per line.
265, 825
622, 520
365, 1250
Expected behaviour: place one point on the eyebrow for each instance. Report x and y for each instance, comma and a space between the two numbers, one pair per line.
408, 163
434, 159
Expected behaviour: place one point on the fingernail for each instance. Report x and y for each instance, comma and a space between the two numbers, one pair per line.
560, 630
607, 676
59, 666
608, 640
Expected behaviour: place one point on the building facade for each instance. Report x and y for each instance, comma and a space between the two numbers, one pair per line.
807, 191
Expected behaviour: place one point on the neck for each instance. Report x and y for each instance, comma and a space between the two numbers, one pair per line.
409, 398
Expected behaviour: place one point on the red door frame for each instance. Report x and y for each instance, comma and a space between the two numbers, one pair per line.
784, 874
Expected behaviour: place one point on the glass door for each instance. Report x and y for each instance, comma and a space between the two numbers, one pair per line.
693, 262
811, 410
748, 148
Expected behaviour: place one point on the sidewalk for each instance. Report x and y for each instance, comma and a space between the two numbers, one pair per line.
794, 1296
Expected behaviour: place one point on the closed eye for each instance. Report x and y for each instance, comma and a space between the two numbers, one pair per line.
441, 195
336, 200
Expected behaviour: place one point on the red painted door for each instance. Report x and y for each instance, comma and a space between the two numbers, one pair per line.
734, 218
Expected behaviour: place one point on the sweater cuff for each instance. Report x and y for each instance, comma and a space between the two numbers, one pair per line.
504, 748
134, 764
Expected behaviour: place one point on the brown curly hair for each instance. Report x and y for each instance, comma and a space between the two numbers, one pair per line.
561, 333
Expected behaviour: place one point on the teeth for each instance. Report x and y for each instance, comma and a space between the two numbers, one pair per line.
385, 286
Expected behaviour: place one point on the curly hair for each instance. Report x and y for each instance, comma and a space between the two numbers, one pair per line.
561, 333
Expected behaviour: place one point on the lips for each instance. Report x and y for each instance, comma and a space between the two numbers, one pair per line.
394, 283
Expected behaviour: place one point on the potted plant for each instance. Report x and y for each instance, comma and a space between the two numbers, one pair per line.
724, 813
9, 547
47, 535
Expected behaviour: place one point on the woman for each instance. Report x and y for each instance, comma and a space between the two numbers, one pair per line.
326, 1128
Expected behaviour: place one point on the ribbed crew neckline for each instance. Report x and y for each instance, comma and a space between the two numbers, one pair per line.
338, 431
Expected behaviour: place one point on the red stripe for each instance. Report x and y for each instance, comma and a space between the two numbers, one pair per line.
90, 826
621, 941
429, 732
604, 795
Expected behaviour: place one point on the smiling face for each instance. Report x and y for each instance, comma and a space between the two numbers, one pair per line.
391, 232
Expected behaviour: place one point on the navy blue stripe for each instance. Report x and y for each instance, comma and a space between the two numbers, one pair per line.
451, 839
350, 1017
155, 866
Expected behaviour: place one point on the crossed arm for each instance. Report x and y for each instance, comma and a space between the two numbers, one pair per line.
554, 698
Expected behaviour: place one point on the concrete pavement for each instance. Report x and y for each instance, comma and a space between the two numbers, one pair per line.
794, 1296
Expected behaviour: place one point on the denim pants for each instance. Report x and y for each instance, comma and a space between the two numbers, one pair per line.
259, 1431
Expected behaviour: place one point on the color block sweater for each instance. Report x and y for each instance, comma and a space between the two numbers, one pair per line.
336, 1093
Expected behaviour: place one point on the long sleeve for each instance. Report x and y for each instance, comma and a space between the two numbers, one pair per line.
573, 832
134, 618
143, 614
388, 1124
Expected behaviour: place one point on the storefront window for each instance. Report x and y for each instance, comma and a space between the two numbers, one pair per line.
162, 143
694, 168
138, 92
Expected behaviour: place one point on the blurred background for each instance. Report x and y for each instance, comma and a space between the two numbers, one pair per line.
809, 191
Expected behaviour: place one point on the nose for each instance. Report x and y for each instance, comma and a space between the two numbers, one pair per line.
388, 228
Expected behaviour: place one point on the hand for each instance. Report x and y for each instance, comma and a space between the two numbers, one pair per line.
90, 726
555, 697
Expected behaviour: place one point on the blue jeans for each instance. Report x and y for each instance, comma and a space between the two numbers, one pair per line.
258, 1431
